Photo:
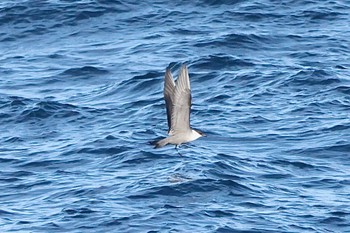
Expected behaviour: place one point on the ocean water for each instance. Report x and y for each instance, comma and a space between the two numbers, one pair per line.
81, 96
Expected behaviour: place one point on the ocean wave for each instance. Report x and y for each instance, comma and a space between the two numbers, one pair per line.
45, 109
235, 40
86, 71
311, 78
64, 12
221, 62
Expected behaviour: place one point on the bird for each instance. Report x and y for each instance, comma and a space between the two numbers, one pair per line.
177, 96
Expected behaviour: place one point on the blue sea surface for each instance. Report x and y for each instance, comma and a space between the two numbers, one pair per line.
81, 96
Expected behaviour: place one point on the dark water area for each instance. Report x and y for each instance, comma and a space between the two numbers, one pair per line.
81, 94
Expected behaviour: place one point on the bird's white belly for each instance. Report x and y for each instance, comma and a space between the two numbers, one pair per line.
180, 138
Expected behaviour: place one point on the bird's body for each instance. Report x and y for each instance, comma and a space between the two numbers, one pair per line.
178, 107
179, 138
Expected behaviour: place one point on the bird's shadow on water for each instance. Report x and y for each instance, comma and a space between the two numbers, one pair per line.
180, 160
179, 173
188, 168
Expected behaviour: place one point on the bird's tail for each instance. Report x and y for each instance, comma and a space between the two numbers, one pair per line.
160, 143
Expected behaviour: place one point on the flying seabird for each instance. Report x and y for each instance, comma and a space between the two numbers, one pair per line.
177, 96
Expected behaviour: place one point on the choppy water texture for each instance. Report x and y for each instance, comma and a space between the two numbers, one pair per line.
81, 95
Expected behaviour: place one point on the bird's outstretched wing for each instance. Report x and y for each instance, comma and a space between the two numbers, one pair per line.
169, 90
181, 103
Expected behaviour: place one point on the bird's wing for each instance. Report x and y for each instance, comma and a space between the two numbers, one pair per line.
169, 90
180, 113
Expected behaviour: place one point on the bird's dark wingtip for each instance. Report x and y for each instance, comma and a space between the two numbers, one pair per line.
154, 143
